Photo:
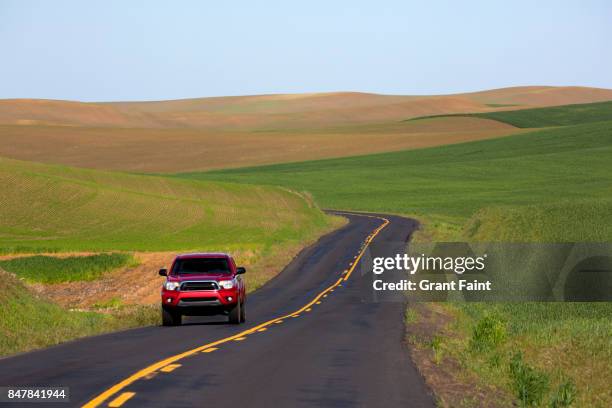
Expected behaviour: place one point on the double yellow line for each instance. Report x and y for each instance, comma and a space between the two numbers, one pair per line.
145, 372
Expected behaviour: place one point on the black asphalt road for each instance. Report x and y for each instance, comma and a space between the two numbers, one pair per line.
347, 351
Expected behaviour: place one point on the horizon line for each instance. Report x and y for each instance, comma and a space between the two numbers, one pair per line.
304, 94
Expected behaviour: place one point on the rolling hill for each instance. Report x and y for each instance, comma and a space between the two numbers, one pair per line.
284, 110
172, 150
58, 208
227, 132
558, 178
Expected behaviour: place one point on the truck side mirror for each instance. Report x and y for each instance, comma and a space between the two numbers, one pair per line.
163, 272
240, 270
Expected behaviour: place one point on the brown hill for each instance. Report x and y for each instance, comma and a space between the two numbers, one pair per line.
207, 133
188, 149
542, 95
282, 111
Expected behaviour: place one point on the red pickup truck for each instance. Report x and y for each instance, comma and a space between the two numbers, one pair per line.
203, 284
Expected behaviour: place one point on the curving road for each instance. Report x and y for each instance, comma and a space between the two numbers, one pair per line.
313, 337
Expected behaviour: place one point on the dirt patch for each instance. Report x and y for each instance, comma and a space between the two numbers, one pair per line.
139, 285
450, 382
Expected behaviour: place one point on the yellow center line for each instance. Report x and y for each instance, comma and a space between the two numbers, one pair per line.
209, 350
173, 359
169, 368
239, 338
117, 402
262, 329
367, 243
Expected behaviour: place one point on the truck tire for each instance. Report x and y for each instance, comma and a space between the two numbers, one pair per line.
242, 313
171, 318
234, 314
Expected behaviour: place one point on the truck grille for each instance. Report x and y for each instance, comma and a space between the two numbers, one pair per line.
196, 302
199, 285
205, 299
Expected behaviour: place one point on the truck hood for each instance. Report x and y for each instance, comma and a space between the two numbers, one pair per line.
202, 277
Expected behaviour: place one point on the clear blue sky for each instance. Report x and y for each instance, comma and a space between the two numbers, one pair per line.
138, 50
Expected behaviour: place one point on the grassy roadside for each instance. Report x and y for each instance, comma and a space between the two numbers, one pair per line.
28, 321
530, 354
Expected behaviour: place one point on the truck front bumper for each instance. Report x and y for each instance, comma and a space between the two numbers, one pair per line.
222, 298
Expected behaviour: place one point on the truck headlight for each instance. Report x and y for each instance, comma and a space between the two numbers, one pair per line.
226, 284
171, 285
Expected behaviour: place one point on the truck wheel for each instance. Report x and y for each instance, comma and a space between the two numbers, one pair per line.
171, 318
242, 313
234, 314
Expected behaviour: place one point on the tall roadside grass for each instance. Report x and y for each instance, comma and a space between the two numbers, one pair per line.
50, 269
549, 354
542, 354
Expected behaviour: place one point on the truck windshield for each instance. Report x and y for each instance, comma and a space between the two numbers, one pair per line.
201, 265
